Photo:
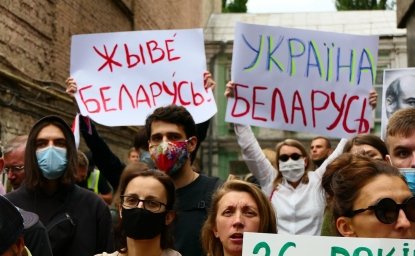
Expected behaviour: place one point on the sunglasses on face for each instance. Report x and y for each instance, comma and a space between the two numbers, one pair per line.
285, 157
387, 210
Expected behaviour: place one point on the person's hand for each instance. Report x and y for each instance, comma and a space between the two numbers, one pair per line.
208, 81
230, 88
71, 86
373, 98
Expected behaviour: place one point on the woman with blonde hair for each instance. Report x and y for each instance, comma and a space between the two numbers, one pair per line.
237, 207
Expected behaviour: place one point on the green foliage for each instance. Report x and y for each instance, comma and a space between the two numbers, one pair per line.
347, 5
234, 6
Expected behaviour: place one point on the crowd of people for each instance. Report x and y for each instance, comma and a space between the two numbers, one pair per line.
67, 202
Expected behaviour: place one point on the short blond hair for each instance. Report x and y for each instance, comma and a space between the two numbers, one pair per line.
401, 123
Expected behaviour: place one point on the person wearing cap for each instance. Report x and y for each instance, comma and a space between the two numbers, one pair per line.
78, 221
11, 230
35, 234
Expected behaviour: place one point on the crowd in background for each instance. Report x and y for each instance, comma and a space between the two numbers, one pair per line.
67, 202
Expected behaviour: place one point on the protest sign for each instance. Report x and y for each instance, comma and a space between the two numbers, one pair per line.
261, 244
398, 92
302, 80
122, 77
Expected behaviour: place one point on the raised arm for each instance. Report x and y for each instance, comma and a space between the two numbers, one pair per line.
252, 153
105, 160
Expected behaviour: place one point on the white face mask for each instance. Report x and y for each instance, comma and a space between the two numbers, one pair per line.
292, 170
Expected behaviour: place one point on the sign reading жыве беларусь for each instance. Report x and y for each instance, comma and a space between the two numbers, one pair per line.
122, 77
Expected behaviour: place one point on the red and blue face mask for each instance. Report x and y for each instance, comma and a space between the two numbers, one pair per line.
170, 156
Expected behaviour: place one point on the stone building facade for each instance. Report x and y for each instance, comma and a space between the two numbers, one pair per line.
35, 52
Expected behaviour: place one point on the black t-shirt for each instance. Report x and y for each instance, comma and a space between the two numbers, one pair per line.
192, 206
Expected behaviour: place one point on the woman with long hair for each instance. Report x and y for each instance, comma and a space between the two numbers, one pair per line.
237, 207
146, 212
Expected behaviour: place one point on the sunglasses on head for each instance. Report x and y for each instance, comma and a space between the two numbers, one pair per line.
387, 210
285, 157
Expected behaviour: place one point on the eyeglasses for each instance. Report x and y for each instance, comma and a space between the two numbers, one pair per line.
14, 169
285, 157
387, 210
130, 202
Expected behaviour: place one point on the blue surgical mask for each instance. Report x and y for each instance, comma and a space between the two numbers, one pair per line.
52, 161
409, 174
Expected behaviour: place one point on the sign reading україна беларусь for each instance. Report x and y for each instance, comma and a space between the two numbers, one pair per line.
302, 80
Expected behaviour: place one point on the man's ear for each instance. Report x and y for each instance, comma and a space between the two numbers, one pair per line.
388, 159
191, 143
170, 216
345, 227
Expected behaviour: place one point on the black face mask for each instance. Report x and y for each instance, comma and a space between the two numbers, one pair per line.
141, 224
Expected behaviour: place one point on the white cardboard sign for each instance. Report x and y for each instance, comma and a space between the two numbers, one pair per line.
302, 80
122, 77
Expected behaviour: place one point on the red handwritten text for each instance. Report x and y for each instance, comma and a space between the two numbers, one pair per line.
149, 52
279, 110
132, 97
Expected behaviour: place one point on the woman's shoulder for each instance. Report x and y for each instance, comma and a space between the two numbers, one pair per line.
170, 252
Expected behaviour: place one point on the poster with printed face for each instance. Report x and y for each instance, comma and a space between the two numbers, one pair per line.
398, 92
122, 77
302, 80
261, 244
